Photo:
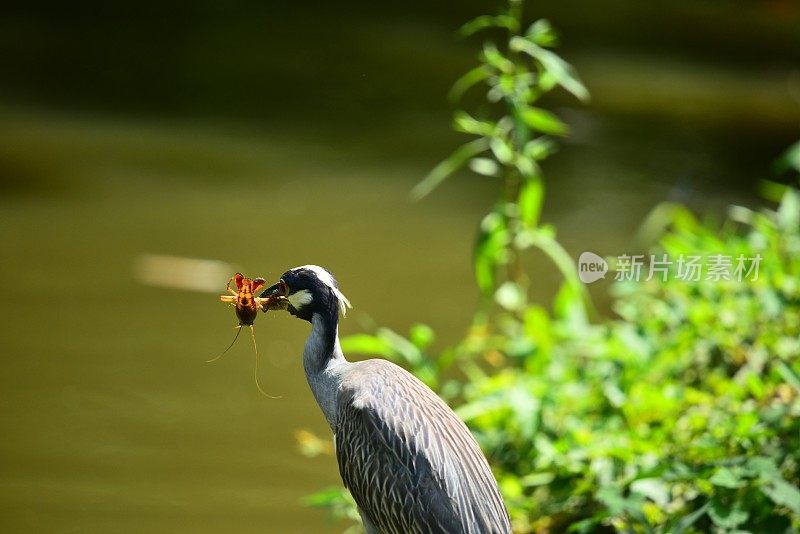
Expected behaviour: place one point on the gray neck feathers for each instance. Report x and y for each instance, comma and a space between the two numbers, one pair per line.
324, 363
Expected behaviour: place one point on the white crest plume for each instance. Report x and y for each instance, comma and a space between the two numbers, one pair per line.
327, 278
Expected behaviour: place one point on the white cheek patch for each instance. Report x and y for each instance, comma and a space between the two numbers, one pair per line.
326, 278
300, 298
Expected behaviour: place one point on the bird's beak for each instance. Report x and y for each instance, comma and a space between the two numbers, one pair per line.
276, 297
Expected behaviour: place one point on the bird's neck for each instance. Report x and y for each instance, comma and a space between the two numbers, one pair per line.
324, 362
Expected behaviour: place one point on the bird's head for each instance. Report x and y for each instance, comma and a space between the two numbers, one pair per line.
304, 291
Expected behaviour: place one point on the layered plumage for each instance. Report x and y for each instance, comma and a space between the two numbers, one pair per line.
411, 465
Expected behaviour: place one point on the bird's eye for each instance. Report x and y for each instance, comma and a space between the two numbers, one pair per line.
284, 287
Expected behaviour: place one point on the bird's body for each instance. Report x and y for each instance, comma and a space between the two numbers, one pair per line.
410, 463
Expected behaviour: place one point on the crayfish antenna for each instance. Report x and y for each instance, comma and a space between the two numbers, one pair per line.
255, 372
238, 331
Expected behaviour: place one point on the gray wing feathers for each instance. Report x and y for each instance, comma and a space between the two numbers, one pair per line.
410, 463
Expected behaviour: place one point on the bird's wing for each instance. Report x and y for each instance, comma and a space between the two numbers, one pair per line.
409, 461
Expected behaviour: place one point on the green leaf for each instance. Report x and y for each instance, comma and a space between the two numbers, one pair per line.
543, 239
490, 250
783, 494
367, 344
772, 191
544, 121
685, 523
464, 122
587, 526
496, 59
726, 478
511, 487
547, 81
526, 166
727, 516
614, 395
763, 467
568, 304
467, 81
789, 210
510, 296
539, 148
788, 374
653, 488
542, 33
501, 149
477, 408
447, 167
562, 71
538, 327
324, 497
792, 156
485, 22
616, 503
531, 198
484, 166
337, 499
537, 479
519, 347
421, 335
401, 347
526, 411
790, 159
755, 385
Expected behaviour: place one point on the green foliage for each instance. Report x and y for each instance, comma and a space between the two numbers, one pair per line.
512, 136
682, 414
340, 504
685, 407
406, 351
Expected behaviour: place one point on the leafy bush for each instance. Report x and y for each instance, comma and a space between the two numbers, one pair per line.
679, 415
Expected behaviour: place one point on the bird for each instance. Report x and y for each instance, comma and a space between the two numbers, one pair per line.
411, 465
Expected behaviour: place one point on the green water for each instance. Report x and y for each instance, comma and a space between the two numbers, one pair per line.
111, 420
316, 122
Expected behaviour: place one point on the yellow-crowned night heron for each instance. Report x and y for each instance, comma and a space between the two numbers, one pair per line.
410, 463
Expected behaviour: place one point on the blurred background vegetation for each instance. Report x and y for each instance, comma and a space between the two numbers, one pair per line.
268, 135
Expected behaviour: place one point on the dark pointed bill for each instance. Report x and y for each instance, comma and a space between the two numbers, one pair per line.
274, 297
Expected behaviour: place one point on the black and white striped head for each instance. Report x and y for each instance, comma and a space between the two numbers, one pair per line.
304, 291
